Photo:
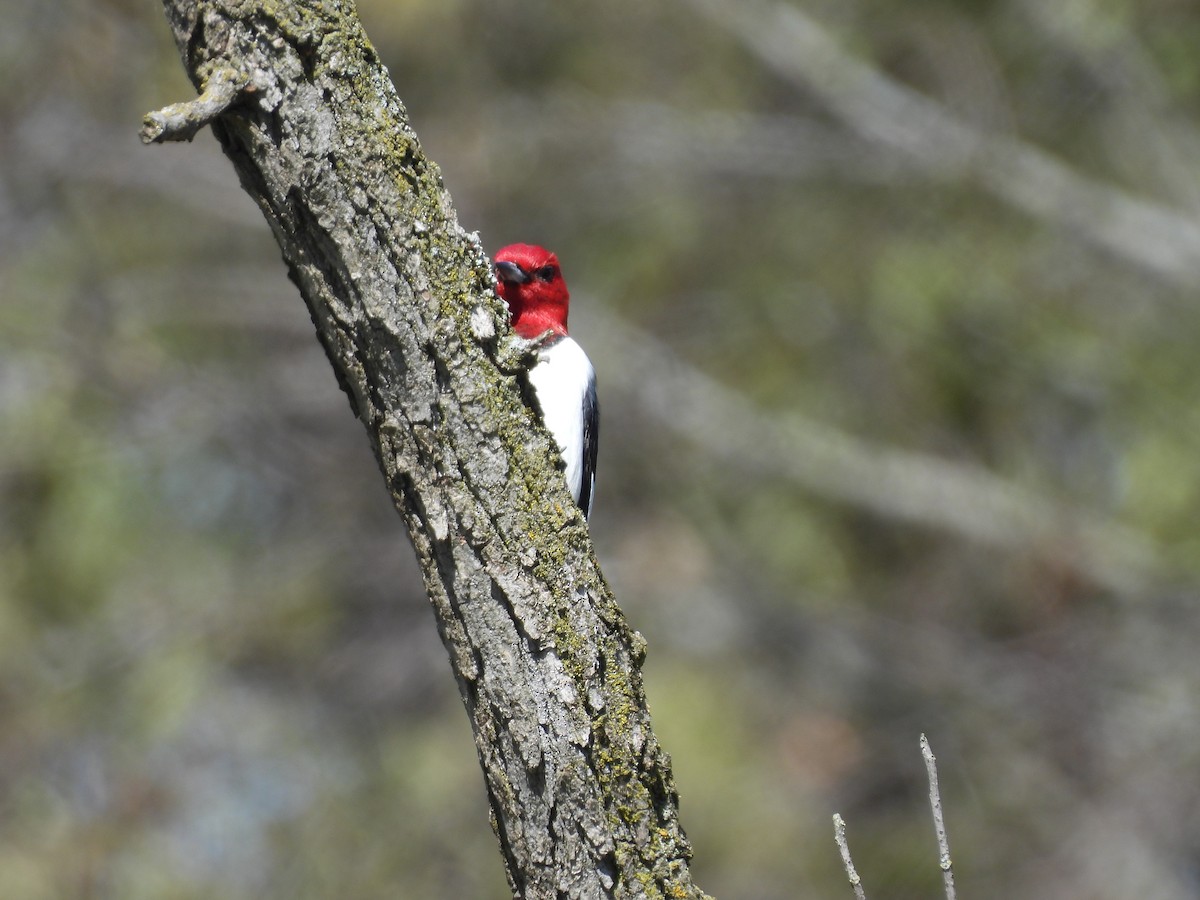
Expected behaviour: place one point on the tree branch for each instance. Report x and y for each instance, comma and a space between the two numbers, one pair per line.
582, 795
939, 822
181, 121
839, 838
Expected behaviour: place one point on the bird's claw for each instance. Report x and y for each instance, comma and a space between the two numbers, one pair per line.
516, 353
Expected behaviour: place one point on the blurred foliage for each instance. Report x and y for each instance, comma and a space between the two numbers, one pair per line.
218, 677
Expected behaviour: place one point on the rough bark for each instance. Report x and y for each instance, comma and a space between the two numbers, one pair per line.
581, 792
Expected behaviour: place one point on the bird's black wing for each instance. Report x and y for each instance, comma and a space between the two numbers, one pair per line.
591, 444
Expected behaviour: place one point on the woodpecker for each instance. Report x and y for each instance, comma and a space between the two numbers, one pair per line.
530, 281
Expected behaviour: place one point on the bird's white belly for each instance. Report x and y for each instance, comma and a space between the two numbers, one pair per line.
561, 379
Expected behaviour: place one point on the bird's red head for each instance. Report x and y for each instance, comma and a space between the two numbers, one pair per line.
530, 281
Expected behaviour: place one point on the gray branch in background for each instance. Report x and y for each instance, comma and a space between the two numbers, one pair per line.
961, 498
794, 46
1166, 144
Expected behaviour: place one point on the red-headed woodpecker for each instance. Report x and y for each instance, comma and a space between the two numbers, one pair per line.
529, 280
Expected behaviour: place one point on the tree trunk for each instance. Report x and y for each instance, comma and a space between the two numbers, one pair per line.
581, 792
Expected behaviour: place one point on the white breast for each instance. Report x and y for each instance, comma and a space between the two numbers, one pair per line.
561, 379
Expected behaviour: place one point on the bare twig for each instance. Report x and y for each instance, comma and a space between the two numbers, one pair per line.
181, 121
939, 824
839, 836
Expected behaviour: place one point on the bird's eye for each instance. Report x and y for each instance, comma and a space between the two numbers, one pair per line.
546, 273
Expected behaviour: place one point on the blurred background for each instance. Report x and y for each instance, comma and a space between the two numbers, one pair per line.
894, 310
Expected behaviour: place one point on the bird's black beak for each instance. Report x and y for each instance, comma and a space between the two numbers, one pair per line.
511, 272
